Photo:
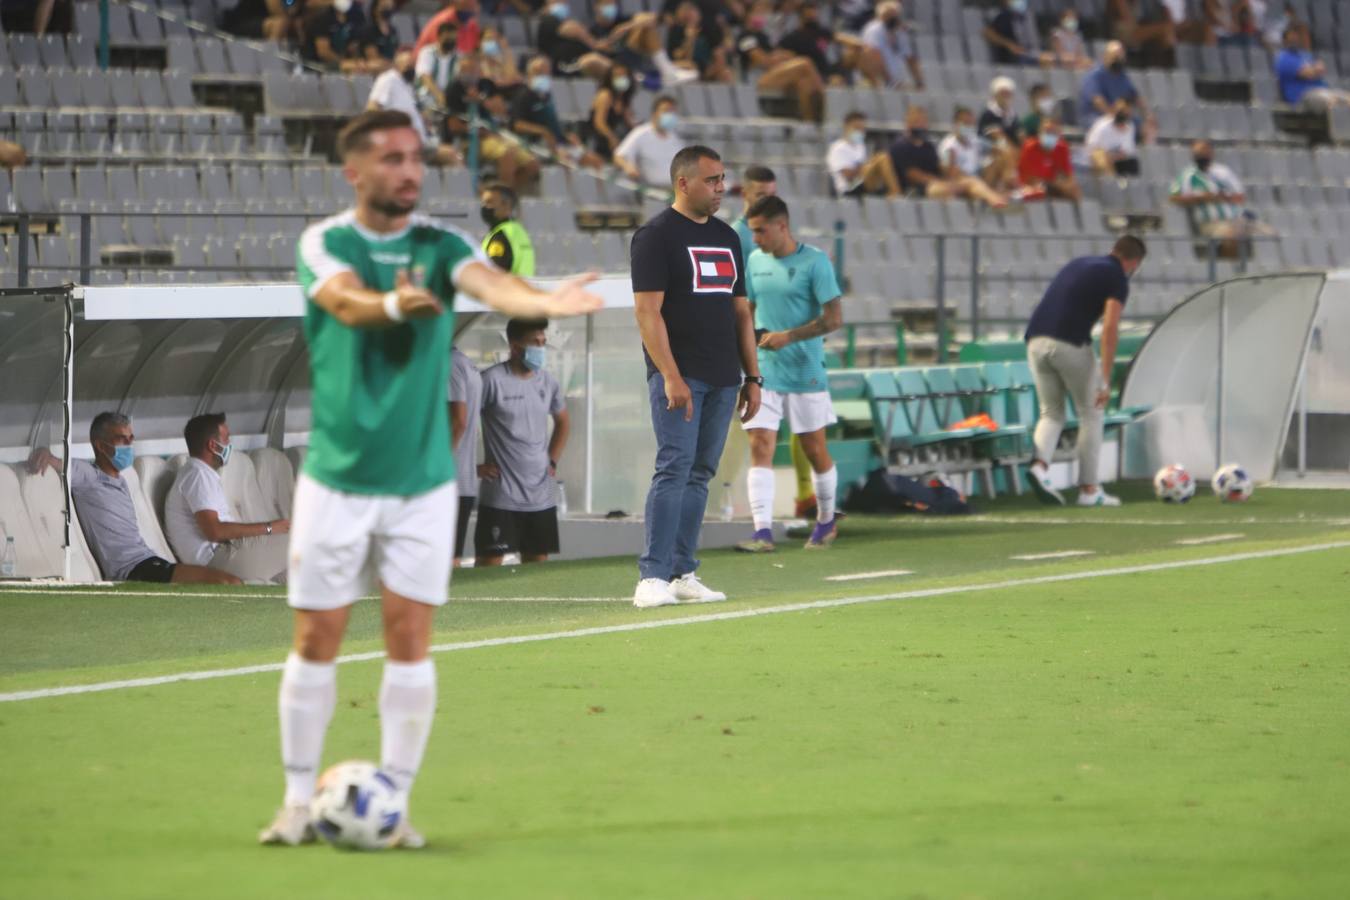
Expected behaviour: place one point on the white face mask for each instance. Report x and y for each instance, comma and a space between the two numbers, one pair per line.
622, 83
1046, 106
342, 6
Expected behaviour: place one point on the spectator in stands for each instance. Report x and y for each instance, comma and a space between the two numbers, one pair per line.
499, 63
1303, 77
393, 90
334, 35
1012, 38
1108, 83
1068, 50
436, 71
1215, 200
466, 400
1113, 142
630, 40
1046, 168
199, 523
1276, 26
108, 514
889, 36
273, 20
855, 171
612, 111
1043, 104
569, 44
715, 16
915, 162
534, 116
464, 14
507, 243
646, 153
1236, 23
780, 69
1145, 27
688, 47
757, 182
471, 93
822, 46
379, 42
519, 493
12, 155
999, 120
962, 153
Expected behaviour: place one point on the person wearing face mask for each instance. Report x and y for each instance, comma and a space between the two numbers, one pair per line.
393, 89
463, 14
1067, 47
379, 40
915, 161
107, 512
1108, 83
999, 117
518, 495
498, 62
1043, 105
435, 71
780, 70
890, 37
646, 153
534, 115
612, 111
1046, 168
688, 46
836, 55
507, 243
567, 43
1146, 27
1215, 200
1012, 38
1113, 142
334, 35
633, 42
1059, 352
199, 522
854, 171
962, 153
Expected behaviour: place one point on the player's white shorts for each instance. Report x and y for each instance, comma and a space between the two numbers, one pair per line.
339, 541
805, 412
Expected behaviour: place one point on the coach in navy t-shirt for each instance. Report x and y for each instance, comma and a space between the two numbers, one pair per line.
1059, 351
697, 338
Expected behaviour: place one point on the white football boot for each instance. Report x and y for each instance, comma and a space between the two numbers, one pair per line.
1098, 497
291, 827
408, 838
653, 592
688, 589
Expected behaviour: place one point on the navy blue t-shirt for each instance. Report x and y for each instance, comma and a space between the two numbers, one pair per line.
699, 267
906, 155
1076, 299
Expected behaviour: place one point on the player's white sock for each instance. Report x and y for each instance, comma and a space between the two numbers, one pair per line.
407, 705
308, 695
826, 485
759, 484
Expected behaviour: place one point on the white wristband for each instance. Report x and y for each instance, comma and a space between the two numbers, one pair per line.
391, 307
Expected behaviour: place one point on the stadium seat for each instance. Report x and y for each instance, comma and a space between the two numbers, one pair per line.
240, 480
34, 561
156, 476
297, 457
146, 519
45, 498
276, 481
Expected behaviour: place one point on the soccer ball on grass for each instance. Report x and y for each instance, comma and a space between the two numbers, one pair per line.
1231, 484
357, 807
1173, 484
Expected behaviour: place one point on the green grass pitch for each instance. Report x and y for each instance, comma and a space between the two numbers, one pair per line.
1154, 732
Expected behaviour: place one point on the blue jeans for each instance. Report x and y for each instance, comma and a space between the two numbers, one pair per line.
687, 454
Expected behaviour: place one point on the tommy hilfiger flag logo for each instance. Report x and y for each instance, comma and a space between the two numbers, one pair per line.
714, 269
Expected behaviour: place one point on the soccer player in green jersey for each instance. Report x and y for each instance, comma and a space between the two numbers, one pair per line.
796, 299
376, 497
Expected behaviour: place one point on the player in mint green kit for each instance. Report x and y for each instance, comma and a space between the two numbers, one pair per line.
376, 498
796, 298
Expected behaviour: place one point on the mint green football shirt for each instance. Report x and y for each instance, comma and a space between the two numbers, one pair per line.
789, 292
380, 424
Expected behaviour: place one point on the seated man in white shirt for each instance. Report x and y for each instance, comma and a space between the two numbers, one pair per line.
201, 526
393, 89
893, 39
645, 154
1113, 142
853, 170
965, 153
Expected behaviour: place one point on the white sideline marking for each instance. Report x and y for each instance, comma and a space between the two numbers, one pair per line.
210, 674
1058, 554
957, 521
1212, 539
239, 598
859, 576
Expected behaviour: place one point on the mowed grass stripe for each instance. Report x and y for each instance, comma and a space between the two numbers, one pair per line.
209, 674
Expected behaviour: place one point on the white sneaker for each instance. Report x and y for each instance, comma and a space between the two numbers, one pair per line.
291, 827
407, 837
688, 589
1098, 497
1039, 476
653, 592
672, 74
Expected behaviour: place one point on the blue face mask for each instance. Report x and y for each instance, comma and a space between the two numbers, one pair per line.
1049, 141
609, 11
123, 457
534, 358
541, 84
224, 451
559, 10
491, 48
1018, 6
668, 121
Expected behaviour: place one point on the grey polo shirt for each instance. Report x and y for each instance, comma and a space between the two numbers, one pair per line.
466, 386
516, 412
108, 517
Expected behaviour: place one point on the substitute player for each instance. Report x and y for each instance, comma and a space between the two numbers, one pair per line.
796, 300
377, 493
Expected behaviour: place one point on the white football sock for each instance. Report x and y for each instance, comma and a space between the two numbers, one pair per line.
407, 705
759, 484
306, 701
826, 485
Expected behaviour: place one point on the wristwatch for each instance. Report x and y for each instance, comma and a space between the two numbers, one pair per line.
754, 379
269, 527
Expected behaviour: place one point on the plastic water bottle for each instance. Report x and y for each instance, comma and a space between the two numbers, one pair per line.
9, 562
562, 500
728, 508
